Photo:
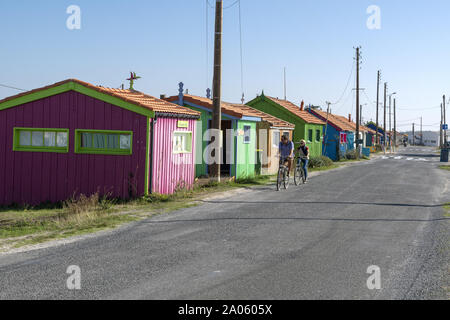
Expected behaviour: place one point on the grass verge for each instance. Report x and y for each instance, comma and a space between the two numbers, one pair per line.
445, 168
20, 226
447, 210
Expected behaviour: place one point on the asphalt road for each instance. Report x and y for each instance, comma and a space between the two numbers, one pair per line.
311, 242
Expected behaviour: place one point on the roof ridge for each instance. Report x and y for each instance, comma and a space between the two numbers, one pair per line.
133, 97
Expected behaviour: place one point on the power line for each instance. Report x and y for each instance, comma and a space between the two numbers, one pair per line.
207, 45
346, 87
232, 5
10, 87
242, 59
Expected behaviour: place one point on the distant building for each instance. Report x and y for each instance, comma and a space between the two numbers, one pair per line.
430, 138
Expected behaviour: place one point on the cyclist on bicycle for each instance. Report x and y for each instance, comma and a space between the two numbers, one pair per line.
286, 152
303, 152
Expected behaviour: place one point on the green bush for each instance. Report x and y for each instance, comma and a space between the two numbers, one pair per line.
320, 162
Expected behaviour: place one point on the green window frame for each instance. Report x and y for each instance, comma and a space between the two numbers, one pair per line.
41, 140
310, 135
182, 142
318, 136
108, 142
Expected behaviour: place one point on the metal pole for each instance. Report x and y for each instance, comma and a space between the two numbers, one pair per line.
384, 122
217, 112
445, 122
378, 105
357, 99
390, 124
441, 130
326, 127
395, 125
421, 131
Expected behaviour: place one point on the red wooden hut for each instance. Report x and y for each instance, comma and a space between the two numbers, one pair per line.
74, 138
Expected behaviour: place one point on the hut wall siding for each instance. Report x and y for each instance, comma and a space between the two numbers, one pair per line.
37, 177
169, 169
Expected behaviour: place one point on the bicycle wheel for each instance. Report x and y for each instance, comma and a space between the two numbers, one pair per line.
303, 176
286, 179
279, 179
297, 176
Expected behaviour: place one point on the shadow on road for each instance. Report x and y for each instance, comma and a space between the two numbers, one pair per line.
292, 219
421, 155
329, 202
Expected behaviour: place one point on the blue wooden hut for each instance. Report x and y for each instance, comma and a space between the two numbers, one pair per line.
339, 134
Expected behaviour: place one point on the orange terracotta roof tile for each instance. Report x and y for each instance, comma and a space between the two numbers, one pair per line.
304, 115
341, 122
236, 110
133, 97
273, 121
208, 103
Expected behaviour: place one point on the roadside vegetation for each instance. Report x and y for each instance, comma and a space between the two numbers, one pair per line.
25, 225
445, 168
447, 210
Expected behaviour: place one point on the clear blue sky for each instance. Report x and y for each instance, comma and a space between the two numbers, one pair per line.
165, 43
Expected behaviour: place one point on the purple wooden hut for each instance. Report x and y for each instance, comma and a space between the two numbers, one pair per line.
74, 138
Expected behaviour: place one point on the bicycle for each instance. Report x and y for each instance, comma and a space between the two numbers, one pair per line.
299, 174
283, 175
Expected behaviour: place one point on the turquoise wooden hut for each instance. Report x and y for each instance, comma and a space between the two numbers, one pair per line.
239, 150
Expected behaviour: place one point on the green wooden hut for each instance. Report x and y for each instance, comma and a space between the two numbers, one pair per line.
307, 127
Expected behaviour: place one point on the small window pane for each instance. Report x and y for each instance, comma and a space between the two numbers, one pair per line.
113, 141
182, 142
276, 139
37, 138
247, 137
125, 142
310, 135
317, 135
99, 141
86, 140
25, 138
49, 139
178, 143
61, 139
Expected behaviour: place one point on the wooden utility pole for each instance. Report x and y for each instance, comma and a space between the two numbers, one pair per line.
217, 88
357, 99
285, 90
326, 127
384, 122
378, 105
414, 135
395, 125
